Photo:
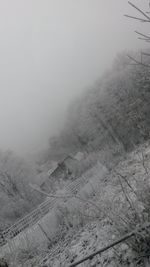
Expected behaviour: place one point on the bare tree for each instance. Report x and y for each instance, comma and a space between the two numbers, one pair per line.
144, 17
8, 185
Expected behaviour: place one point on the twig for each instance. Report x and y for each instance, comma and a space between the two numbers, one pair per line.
144, 35
124, 238
122, 219
127, 182
143, 39
143, 163
138, 9
146, 54
138, 62
131, 17
127, 198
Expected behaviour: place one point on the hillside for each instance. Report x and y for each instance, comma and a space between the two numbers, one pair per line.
110, 125
113, 114
122, 207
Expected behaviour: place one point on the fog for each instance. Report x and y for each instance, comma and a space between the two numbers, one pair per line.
50, 52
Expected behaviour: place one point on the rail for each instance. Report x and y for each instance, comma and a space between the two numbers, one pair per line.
33, 217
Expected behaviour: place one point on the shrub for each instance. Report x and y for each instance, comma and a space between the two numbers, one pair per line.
130, 211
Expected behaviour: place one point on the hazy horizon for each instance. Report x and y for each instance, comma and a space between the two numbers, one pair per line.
51, 51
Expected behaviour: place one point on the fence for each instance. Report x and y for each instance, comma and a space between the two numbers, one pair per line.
33, 217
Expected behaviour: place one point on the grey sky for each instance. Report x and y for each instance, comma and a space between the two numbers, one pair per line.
50, 51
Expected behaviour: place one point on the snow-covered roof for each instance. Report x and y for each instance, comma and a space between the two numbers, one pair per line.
53, 168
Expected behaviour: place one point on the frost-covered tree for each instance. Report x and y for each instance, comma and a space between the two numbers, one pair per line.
15, 193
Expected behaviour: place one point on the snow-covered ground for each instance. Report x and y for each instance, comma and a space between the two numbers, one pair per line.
98, 228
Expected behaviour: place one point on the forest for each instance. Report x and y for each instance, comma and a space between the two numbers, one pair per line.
113, 113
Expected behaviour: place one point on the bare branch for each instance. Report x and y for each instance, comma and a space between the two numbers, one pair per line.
138, 62
144, 35
143, 39
127, 182
140, 19
146, 54
129, 235
125, 194
138, 9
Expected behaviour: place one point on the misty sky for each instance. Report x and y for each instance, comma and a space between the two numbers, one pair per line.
50, 51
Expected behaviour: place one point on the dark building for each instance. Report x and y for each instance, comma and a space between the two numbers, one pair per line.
63, 170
